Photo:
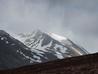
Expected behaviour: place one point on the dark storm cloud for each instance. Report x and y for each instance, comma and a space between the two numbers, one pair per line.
76, 19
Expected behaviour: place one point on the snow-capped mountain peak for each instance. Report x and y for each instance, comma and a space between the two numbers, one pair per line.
51, 42
35, 47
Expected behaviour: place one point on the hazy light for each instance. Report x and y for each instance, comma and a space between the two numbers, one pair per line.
57, 37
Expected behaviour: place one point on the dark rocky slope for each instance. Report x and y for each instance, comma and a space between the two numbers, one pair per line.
9, 48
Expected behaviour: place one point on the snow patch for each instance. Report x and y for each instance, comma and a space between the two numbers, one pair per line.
2, 38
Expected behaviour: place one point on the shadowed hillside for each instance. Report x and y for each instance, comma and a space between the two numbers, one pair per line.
87, 64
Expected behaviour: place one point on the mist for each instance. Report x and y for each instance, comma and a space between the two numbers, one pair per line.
75, 19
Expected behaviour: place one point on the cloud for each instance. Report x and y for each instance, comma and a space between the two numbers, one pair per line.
76, 19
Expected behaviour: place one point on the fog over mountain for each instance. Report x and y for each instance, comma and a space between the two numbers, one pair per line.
76, 19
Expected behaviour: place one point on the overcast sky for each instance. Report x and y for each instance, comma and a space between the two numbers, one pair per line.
75, 19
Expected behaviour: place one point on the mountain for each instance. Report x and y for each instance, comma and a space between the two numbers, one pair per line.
33, 48
49, 42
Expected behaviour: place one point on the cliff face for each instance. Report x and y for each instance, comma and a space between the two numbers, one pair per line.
87, 64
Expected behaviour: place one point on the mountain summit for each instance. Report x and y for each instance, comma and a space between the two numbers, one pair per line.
50, 42
35, 47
